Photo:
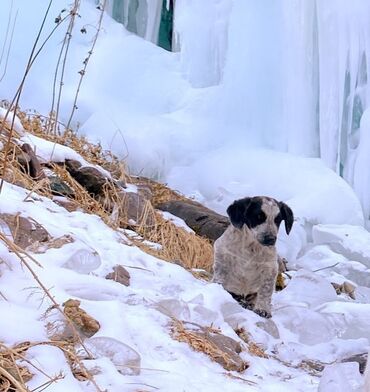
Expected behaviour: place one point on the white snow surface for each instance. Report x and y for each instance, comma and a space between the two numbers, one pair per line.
138, 315
310, 322
216, 131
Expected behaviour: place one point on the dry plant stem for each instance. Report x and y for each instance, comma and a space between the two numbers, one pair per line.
10, 41
65, 48
46, 384
6, 31
13, 247
86, 62
15, 101
17, 384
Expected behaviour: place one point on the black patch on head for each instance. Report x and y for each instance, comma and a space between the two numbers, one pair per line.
287, 216
246, 211
278, 219
255, 215
237, 212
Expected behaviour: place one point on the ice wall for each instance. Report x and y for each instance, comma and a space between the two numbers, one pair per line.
294, 76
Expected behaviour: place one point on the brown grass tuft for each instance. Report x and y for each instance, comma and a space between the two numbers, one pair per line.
253, 347
176, 244
199, 342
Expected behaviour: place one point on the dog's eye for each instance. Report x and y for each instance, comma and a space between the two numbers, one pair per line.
278, 219
261, 217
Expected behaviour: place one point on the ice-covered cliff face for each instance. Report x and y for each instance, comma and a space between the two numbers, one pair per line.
284, 75
292, 75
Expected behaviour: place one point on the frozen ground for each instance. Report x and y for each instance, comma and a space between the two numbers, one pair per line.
311, 324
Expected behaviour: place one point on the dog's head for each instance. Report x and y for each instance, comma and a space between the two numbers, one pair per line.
262, 215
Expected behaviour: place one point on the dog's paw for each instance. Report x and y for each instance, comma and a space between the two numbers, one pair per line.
246, 305
263, 313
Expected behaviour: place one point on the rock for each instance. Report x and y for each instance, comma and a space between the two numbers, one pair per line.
84, 323
25, 231
128, 206
220, 348
133, 205
30, 162
346, 288
88, 177
360, 359
59, 187
228, 349
55, 243
120, 275
202, 220
68, 204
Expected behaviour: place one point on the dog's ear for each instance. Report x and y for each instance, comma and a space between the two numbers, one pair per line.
237, 212
287, 216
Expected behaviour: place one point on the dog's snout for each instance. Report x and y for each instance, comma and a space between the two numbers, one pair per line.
268, 240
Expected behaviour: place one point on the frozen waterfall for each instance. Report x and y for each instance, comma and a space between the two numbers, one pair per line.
291, 75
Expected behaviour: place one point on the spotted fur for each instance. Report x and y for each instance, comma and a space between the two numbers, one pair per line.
246, 261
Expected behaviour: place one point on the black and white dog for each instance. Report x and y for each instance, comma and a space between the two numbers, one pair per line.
246, 261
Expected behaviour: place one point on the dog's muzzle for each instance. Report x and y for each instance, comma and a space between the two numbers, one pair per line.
268, 240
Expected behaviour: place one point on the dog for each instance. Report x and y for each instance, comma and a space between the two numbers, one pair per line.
245, 257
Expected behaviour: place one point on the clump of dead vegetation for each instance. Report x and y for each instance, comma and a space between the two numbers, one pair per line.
210, 341
176, 244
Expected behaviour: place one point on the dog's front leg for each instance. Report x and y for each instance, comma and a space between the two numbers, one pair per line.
263, 302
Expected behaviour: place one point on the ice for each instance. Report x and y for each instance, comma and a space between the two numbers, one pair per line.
203, 315
333, 266
353, 242
174, 308
309, 326
351, 320
202, 57
306, 288
361, 173
341, 377
126, 359
363, 294
83, 261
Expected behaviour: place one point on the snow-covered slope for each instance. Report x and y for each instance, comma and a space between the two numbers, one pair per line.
134, 349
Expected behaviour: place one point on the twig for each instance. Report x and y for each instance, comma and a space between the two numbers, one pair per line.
17, 96
82, 72
324, 268
10, 42
13, 247
14, 381
46, 384
63, 51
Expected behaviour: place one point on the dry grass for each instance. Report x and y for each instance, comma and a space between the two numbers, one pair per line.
15, 367
200, 343
176, 244
253, 347
13, 376
161, 192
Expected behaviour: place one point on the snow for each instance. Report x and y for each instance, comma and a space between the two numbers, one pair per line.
219, 119
17, 126
137, 317
47, 151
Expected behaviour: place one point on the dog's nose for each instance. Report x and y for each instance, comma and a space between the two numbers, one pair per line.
269, 240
